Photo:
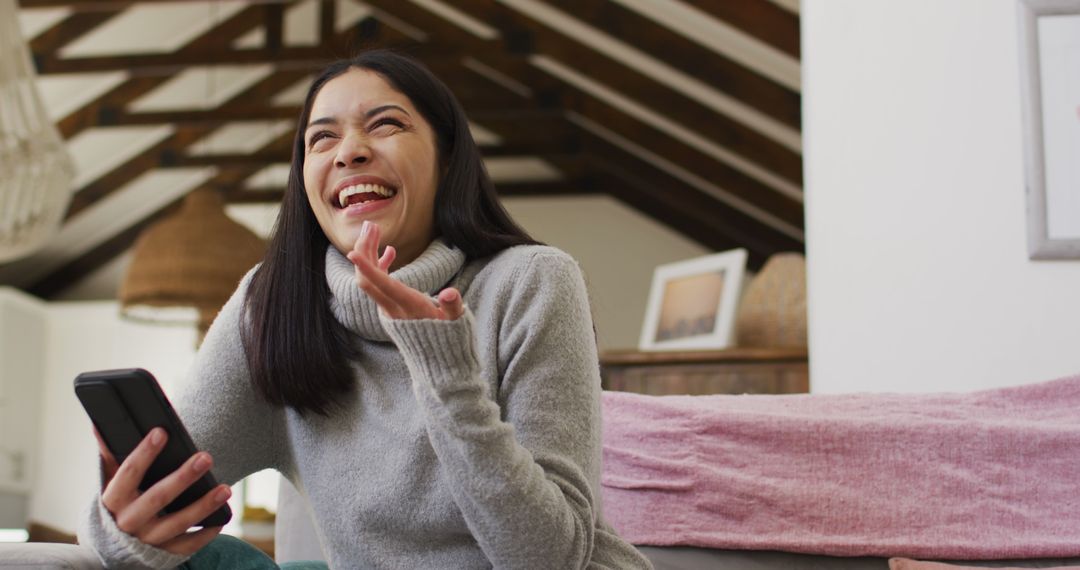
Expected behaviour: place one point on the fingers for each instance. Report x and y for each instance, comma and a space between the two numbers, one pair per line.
451, 304
147, 506
124, 486
387, 259
372, 282
190, 543
173, 526
395, 299
369, 233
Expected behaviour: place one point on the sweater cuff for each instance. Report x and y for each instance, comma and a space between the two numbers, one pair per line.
118, 549
442, 351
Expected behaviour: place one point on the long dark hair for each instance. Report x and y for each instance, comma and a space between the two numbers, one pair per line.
297, 352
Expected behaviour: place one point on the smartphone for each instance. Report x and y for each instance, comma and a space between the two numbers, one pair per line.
124, 406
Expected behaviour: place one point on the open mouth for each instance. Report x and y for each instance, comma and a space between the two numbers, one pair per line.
362, 193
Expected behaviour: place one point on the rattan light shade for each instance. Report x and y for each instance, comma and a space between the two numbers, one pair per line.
772, 312
186, 266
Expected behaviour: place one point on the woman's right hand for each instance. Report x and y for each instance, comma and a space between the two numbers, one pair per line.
139, 513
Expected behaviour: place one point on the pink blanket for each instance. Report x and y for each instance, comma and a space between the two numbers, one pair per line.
991, 474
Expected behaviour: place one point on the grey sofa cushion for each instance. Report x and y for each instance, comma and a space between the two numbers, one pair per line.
40, 555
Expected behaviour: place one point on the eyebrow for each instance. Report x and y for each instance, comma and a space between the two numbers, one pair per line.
369, 114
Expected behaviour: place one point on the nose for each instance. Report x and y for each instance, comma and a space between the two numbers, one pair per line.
352, 150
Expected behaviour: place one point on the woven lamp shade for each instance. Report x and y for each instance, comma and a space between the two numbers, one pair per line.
186, 266
772, 312
36, 170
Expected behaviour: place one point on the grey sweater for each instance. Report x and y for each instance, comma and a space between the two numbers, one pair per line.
472, 443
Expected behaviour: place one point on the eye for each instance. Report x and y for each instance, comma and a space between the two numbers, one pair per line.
319, 136
387, 122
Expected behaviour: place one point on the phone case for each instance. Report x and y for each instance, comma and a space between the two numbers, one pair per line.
124, 406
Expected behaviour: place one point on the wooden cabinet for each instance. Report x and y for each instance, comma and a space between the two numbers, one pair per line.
731, 371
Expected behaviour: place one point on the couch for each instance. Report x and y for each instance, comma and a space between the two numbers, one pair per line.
295, 539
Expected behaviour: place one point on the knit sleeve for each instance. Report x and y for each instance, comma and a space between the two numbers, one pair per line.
224, 417
524, 463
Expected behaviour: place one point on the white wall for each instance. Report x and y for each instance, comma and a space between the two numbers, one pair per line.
22, 334
918, 274
80, 337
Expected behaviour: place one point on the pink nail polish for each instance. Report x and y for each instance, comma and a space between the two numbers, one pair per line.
202, 464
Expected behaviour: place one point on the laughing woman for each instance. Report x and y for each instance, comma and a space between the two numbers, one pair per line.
405, 354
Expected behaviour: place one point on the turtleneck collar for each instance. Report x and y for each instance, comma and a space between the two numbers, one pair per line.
428, 273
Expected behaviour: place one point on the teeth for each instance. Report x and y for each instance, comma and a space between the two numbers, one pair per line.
343, 196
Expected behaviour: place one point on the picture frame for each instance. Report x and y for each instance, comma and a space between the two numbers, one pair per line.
692, 303
1050, 85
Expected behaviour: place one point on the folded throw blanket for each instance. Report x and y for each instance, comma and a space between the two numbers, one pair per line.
985, 475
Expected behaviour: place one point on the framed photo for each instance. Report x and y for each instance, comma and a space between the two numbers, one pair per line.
692, 303
1050, 80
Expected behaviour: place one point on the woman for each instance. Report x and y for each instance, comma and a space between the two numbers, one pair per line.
444, 416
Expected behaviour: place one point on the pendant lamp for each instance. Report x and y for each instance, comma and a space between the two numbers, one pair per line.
186, 266
36, 171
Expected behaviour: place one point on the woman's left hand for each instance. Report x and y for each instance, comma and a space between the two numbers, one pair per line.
395, 299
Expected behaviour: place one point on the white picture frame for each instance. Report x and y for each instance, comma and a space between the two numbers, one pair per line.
1050, 81
692, 303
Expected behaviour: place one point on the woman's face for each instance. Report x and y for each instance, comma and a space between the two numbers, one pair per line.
370, 155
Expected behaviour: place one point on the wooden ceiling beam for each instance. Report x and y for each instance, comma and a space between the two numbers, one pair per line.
659, 97
131, 169
171, 63
68, 30
569, 97
194, 126
89, 114
760, 18
628, 178
723, 74
149, 158
274, 15
135, 87
730, 180
327, 20
673, 105
283, 57
669, 200
256, 108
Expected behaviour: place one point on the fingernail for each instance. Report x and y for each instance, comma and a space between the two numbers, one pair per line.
365, 228
223, 494
202, 463
157, 436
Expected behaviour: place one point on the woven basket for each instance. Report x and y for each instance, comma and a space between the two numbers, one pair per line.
194, 259
772, 311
